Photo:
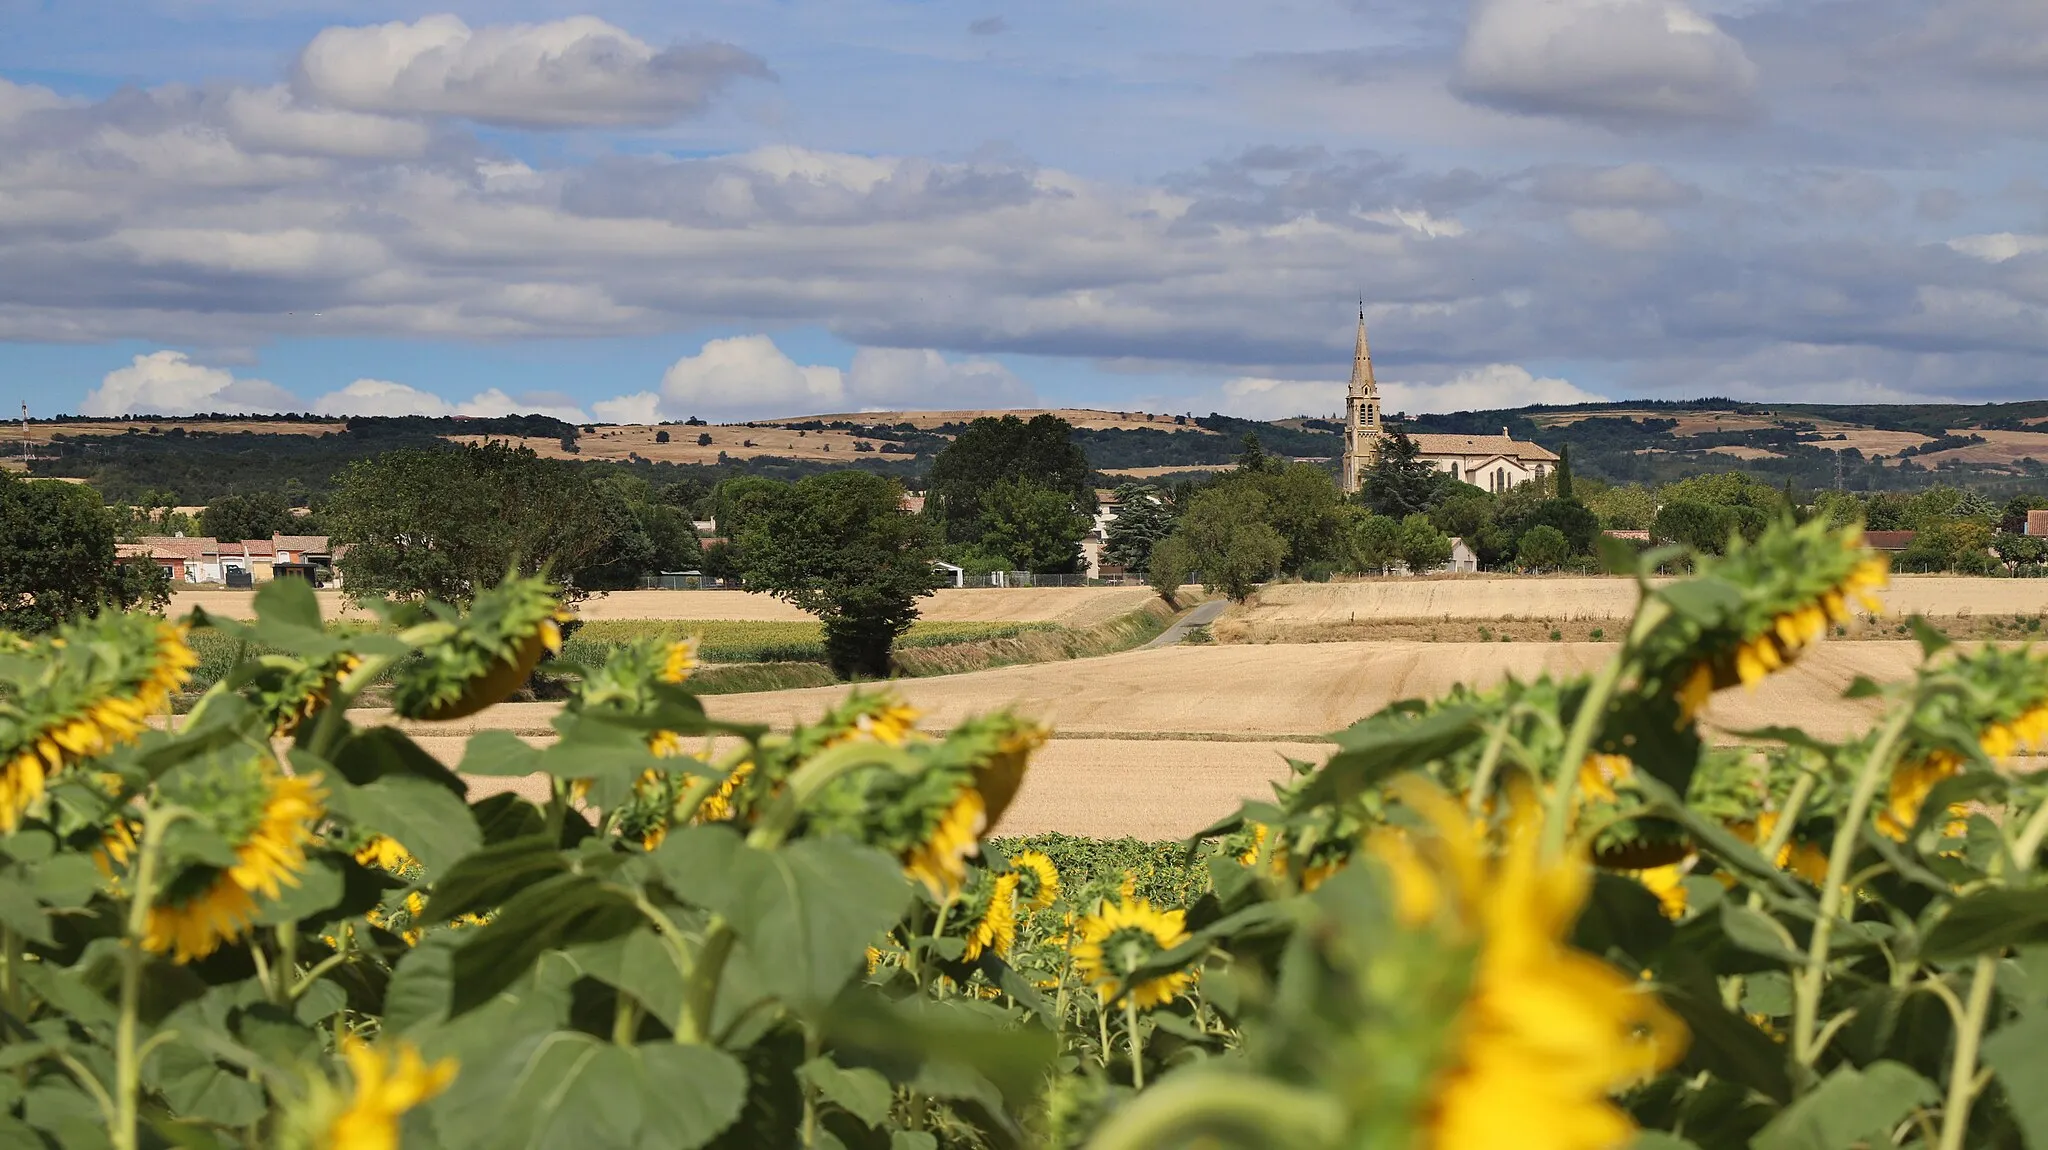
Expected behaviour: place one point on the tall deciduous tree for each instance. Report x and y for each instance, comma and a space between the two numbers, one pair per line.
1228, 539
256, 515
841, 547
57, 557
992, 449
1035, 526
447, 523
1423, 547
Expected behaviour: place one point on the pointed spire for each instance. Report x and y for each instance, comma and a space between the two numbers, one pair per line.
1362, 382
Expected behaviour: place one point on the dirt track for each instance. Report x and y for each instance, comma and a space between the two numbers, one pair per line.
1069, 606
1501, 597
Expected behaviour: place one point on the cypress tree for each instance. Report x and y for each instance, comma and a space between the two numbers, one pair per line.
1564, 474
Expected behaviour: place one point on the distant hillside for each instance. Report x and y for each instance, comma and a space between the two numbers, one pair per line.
1996, 447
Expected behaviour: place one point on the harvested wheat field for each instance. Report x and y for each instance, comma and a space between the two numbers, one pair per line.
1163, 789
1159, 743
1567, 597
1067, 606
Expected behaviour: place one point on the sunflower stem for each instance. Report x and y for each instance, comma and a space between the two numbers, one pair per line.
1137, 1042
1963, 1083
1806, 990
127, 1059
1187, 1106
1489, 761
700, 992
1586, 723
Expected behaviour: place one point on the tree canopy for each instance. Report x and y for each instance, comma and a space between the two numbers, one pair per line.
1227, 536
996, 448
1144, 516
446, 523
1399, 482
1035, 527
841, 547
256, 515
57, 557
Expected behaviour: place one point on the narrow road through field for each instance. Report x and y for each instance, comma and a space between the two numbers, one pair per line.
1202, 615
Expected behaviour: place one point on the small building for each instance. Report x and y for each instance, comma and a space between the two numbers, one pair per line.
301, 548
1891, 541
189, 559
1463, 559
2037, 523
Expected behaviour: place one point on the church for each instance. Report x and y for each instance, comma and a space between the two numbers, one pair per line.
1490, 462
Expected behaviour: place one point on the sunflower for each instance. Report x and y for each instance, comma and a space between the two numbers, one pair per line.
1911, 782
83, 720
1546, 1033
678, 660
1667, 882
996, 931
305, 691
999, 776
219, 905
387, 1084
486, 656
385, 851
1807, 861
1039, 880
940, 861
1250, 854
117, 846
1786, 632
1599, 774
1122, 936
717, 806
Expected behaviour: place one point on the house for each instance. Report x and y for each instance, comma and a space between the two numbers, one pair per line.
189, 559
1097, 538
1892, 541
301, 548
2037, 523
1463, 558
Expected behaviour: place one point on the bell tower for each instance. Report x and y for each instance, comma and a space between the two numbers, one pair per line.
1362, 428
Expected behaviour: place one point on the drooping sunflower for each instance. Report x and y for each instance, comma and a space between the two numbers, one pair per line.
388, 1082
718, 806
89, 688
940, 860
1122, 936
1038, 883
1804, 859
204, 907
995, 931
1546, 1033
678, 660
1797, 580
486, 655
294, 692
2007, 705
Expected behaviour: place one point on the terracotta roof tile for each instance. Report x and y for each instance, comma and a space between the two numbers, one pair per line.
1434, 443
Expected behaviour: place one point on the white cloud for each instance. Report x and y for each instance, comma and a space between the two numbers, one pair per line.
885, 378
2000, 246
169, 383
269, 119
1620, 62
639, 407
747, 375
580, 71
1617, 186
1253, 397
1483, 388
368, 397
1416, 221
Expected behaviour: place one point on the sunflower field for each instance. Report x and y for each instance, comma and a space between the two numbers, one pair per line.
1548, 914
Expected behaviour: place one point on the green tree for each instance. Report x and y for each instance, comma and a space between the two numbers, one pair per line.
1252, 457
1304, 506
1144, 516
1543, 547
1229, 540
649, 535
1958, 545
1169, 569
445, 523
841, 547
992, 449
1564, 474
2020, 552
1627, 508
2012, 518
1423, 547
1887, 511
1702, 526
257, 515
1037, 527
1374, 542
57, 557
1399, 482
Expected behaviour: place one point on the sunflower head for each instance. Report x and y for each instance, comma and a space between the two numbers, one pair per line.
265, 818
1038, 880
993, 915
489, 653
81, 692
385, 1080
1112, 944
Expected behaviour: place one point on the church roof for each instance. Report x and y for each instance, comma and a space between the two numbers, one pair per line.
1432, 443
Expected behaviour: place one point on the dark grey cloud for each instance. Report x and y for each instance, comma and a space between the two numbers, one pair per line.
1634, 185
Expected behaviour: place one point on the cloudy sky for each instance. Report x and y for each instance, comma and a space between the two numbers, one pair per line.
631, 209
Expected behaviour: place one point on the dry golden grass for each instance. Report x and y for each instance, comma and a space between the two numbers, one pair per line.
1067, 606
40, 433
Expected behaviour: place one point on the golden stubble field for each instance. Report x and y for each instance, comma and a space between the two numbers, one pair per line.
1160, 743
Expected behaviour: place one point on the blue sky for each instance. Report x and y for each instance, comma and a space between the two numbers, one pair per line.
636, 210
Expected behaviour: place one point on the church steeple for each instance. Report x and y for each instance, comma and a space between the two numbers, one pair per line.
1362, 428
1362, 382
